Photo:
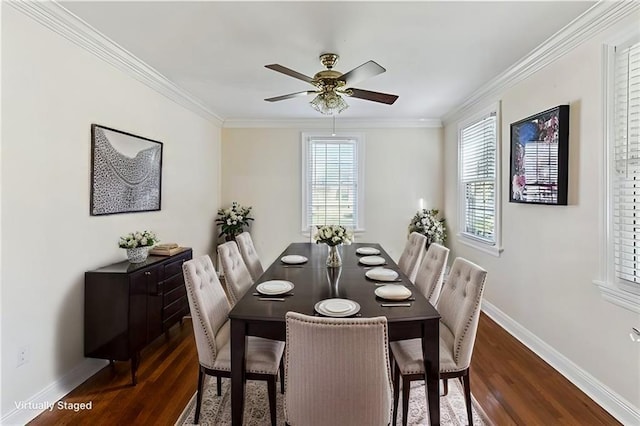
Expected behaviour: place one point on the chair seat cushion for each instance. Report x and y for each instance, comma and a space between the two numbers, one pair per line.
408, 354
262, 355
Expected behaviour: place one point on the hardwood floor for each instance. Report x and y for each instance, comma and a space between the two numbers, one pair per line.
511, 384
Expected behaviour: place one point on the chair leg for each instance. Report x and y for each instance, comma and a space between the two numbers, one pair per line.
281, 376
219, 385
271, 390
406, 387
466, 381
396, 389
445, 386
199, 395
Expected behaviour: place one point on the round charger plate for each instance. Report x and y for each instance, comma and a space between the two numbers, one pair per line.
367, 250
274, 287
337, 307
381, 274
372, 260
293, 259
393, 292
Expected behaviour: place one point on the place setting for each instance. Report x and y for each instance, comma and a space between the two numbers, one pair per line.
372, 261
293, 261
392, 294
337, 308
367, 251
383, 275
274, 290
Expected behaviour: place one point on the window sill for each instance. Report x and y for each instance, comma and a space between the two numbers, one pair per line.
492, 250
613, 294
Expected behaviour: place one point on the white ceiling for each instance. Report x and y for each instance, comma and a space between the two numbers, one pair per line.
436, 53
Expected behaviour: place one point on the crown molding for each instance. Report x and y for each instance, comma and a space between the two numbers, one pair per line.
61, 21
326, 123
597, 18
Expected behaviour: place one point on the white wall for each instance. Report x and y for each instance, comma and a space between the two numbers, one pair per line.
262, 168
51, 93
543, 280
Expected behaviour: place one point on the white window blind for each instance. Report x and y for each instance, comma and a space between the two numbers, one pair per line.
626, 164
478, 152
332, 183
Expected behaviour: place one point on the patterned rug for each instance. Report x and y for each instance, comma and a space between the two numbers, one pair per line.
216, 410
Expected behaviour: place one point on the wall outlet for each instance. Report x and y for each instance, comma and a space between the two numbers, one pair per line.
23, 355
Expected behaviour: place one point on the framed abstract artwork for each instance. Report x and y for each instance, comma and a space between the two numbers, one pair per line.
540, 158
126, 172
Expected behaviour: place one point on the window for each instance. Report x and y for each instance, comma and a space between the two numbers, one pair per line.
478, 181
621, 248
332, 177
626, 165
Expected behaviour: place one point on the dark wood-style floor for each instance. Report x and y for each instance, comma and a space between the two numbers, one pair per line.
511, 384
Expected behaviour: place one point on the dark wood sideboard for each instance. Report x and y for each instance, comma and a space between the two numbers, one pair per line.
127, 306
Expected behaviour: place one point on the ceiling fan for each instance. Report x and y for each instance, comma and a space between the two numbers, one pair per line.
331, 85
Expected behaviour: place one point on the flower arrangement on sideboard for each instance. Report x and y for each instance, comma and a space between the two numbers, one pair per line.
233, 220
426, 222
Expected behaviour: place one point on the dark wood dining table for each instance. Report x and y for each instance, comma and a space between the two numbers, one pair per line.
314, 282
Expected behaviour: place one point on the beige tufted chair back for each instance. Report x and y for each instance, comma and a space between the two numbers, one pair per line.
337, 371
208, 304
459, 307
236, 274
412, 255
431, 271
249, 255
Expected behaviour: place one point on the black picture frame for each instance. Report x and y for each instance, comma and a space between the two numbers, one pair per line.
539, 171
126, 172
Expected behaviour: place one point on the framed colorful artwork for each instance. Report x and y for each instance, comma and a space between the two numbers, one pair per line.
540, 158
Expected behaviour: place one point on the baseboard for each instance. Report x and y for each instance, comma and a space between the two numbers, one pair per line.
53, 393
604, 396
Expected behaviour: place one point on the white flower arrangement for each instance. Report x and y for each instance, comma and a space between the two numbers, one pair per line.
426, 222
138, 239
233, 220
333, 235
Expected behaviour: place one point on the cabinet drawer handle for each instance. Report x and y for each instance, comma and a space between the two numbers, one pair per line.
147, 273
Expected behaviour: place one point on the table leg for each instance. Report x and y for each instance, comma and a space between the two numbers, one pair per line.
431, 354
238, 343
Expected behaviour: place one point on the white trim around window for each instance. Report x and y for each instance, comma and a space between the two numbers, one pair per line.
483, 152
355, 140
612, 288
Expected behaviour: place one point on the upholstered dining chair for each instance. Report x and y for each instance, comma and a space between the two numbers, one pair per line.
236, 274
249, 255
337, 371
412, 255
430, 272
209, 310
459, 307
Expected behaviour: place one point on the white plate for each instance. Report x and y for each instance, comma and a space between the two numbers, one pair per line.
293, 259
274, 287
372, 260
382, 274
367, 250
393, 292
337, 307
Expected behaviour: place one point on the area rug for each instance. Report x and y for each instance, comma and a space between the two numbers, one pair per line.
216, 410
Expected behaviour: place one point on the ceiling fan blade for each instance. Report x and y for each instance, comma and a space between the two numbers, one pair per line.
291, 95
383, 98
290, 72
364, 71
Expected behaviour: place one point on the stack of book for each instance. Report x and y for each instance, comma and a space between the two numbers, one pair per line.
167, 249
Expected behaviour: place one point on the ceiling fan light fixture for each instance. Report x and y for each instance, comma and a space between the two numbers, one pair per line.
329, 103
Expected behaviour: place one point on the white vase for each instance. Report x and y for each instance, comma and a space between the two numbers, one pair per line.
137, 254
334, 260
